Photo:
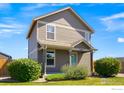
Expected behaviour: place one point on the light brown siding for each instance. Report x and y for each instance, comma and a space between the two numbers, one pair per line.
63, 34
85, 60
65, 18
32, 45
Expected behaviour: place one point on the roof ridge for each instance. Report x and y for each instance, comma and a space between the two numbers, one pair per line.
5, 54
50, 13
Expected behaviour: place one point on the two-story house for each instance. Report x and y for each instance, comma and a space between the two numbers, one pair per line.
60, 38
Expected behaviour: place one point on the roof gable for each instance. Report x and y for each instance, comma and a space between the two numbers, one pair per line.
83, 44
57, 12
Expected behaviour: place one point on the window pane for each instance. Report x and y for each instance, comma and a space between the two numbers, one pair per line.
50, 28
50, 57
50, 35
50, 61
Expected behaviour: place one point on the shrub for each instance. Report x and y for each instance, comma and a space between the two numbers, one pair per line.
55, 77
75, 72
107, 66
24, 69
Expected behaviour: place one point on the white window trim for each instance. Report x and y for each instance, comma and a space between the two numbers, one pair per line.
54, 59
76, 57
51, 32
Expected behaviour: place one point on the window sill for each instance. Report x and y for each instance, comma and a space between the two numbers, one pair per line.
51, 66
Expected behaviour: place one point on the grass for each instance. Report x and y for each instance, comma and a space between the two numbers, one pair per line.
87, 81
55, 77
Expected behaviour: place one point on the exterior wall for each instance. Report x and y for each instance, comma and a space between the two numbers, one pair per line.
32, 45
121, 59
122, 67
65, 18
62, 58
85, 60
63, 34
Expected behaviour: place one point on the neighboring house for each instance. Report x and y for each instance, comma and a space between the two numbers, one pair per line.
4, 59
121, 59
60, 38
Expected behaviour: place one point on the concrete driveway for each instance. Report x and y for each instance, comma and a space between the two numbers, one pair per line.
120, 75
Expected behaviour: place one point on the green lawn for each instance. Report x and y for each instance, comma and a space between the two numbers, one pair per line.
87, 81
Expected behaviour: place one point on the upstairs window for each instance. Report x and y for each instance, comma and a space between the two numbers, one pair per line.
50, 32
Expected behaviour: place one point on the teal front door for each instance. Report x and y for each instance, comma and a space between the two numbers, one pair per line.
73, 59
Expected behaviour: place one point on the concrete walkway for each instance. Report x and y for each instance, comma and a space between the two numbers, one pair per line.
9, 79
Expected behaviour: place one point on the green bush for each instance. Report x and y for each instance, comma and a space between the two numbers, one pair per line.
55, 77
74, 72
107, 66
24, 69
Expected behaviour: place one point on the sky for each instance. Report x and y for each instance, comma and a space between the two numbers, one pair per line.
106, 19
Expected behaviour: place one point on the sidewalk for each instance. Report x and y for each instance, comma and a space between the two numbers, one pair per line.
9, 79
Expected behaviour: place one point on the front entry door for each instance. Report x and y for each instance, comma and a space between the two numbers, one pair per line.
74, 59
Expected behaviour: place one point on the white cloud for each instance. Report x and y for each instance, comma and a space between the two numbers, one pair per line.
114, 22
11, 27
38, 6
34, 6
115, 16
120, 40
11, 31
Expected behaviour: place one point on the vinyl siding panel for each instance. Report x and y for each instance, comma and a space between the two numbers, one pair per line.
32, 45
63, 34
85, 60
67, 35
65, 18
41, 31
